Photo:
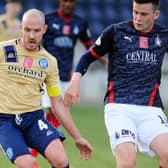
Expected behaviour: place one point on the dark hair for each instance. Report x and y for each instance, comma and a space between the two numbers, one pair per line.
156, 3
8, 1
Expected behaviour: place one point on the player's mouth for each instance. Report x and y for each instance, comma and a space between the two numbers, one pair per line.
138, 24
32, 42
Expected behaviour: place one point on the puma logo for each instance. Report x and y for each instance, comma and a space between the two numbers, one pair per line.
128, 38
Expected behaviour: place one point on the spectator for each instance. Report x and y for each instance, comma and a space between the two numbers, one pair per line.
9, 23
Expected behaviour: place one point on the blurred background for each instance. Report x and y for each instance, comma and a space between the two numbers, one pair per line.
99, 14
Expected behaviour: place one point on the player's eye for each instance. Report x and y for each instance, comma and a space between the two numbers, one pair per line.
27, 29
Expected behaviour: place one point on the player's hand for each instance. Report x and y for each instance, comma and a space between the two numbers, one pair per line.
72, 93
85, 148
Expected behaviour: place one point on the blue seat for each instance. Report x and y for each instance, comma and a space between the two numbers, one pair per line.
110, 15
162, 19
96, 28
125, 13
81, 11
94, 13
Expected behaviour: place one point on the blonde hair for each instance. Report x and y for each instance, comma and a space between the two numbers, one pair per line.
33, 12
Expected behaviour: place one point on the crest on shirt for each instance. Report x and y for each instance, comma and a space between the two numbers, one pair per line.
143, 42
43, 63
66, 29
28, 61
158, 41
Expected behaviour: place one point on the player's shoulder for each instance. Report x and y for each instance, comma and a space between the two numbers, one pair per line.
11, 42
160, 28
115, 28
125, 23
119, 25
47, 54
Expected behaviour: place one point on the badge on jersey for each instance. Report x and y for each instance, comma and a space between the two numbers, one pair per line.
28, 61
66, 29
98, 41
43, 63
143, 42
10, 54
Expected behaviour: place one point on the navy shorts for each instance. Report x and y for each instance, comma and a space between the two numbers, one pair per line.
18, 132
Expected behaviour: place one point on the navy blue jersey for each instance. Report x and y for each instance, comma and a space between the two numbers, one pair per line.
61, 37
135, 60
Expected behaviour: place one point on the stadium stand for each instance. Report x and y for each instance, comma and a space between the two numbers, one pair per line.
99, 13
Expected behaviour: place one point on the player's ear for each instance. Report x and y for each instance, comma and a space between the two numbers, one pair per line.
45, 28
156, 14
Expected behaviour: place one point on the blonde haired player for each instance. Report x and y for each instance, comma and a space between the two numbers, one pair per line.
24, 67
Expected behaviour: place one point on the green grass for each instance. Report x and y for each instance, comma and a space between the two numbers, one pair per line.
90, 121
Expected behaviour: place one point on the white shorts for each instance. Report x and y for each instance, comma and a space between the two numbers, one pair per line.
45, 101
134, 123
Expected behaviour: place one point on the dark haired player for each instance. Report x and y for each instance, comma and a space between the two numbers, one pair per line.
133, 108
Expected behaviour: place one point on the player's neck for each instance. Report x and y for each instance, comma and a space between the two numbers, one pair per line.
21, 43
63, 15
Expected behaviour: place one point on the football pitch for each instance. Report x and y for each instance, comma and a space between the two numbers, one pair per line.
90, 122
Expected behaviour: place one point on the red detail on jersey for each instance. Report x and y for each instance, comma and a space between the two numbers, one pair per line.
28, 61
53, 120
153, 94
88, 43
111, 92
93, 53
143, 42
66, 29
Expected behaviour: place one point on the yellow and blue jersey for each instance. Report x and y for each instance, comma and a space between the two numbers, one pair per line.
22, 74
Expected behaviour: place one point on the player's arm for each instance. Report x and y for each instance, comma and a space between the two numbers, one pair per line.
88, 45
66, 120
72, 92
85, 37
101, 47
